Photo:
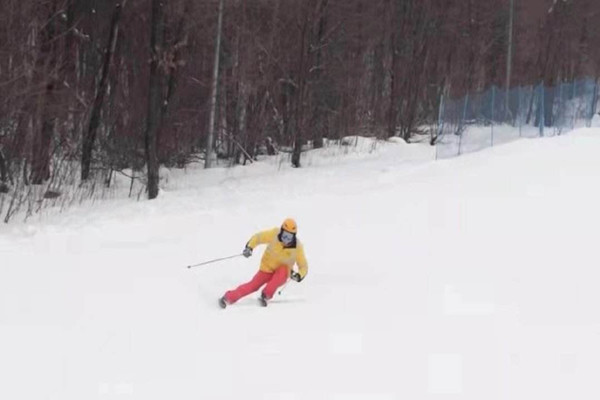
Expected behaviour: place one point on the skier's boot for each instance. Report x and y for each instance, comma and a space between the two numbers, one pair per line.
263, 300
223, 302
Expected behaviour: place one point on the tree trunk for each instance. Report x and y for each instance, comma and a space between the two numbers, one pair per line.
40, 166
242, 112
46, 64
90, 136
299, 111
509, 57
320, 91
153, 119
213, 96
392, 111
3, 171
549, 96
392, 106
181, 41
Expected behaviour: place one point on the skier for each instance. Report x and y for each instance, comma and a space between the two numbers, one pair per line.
282, 252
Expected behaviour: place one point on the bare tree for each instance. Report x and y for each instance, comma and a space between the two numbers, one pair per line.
90, 137
509, 55
214, 93
153, 117
47, 79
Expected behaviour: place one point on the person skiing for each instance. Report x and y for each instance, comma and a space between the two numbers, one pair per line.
282, 252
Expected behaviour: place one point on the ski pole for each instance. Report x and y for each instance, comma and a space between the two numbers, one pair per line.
214, 261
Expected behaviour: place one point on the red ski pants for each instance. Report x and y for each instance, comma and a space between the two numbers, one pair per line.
272, 280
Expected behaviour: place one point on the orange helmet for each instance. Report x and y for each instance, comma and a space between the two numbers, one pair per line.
289, 225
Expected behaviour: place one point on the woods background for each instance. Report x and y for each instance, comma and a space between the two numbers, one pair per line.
102, 86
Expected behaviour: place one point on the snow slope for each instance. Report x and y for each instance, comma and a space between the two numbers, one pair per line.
470, 278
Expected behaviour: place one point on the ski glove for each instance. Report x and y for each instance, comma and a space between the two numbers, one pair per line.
296, 276
247, 252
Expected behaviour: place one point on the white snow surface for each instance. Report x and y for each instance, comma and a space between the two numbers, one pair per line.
469, 278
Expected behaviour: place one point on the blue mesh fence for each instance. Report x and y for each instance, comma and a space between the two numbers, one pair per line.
495, 116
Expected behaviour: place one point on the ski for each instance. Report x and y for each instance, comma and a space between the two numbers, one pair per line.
223, 303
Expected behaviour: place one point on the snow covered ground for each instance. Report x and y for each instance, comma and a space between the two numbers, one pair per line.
469, 278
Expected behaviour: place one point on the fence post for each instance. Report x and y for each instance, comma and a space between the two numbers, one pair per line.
593, 105
574, 107
519, 109
561, 110
464, 117
542, 116
493, 107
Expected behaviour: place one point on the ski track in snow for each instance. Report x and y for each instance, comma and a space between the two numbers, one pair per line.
471, 278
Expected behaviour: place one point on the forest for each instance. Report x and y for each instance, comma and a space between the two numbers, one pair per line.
91, 88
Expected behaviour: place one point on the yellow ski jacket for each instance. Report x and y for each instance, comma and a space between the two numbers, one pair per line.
277, 255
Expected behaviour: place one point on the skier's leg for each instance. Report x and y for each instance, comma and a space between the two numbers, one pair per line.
278, 279
249, 287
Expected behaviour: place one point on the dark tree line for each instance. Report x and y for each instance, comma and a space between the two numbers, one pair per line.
113, 85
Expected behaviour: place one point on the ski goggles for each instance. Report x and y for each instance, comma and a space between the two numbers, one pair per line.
287, 237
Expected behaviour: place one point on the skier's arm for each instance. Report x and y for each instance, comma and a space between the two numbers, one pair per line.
301, 261
262, 238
